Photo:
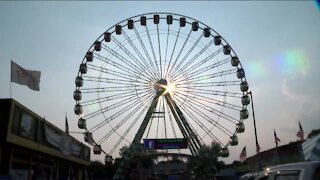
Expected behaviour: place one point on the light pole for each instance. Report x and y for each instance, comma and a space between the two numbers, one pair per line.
254, 124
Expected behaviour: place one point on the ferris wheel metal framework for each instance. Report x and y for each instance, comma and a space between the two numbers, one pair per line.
171, 69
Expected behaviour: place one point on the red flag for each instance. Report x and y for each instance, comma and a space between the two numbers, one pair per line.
276, 139
300, 133
25, 77
243, 154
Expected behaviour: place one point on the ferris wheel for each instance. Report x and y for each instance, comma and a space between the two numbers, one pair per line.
160, 76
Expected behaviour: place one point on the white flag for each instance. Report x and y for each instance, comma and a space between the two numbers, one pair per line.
25, 77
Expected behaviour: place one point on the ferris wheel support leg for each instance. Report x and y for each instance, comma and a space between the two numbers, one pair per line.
183, 125
132, 151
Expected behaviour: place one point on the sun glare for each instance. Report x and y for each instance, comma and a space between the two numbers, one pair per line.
171, 88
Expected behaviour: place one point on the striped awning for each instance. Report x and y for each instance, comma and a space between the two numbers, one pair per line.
311, 149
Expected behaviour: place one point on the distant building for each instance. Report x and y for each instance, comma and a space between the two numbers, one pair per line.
32, 148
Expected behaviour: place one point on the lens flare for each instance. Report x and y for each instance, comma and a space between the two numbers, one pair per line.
256, 69
171, 88
318, 4
204, 78
292, 63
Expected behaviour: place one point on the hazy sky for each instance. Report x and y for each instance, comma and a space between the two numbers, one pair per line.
277, 43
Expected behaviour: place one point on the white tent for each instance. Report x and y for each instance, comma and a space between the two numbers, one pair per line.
311, 149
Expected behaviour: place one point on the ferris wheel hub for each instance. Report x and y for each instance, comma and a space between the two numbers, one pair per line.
160, 86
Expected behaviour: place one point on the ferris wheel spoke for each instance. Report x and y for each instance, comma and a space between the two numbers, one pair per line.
216, 124
128, 99
137, 63
188, 69
200, 124
209, 109
116, 114
152, 49
173, 50
125, 82
211, 84
174, 69
194, 79
215, 92
209, 119
195, 57
146, 53
181, 49
127, 131
166, 53
144, 62
130, 65
107, 98
159, 47
108, 71
115, 128
112, 89
213, 100
108, 108
121, 67
193, 70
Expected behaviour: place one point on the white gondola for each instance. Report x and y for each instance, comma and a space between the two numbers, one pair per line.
234, 140
107, 37
224, 152
240, 127
108, 159
97, 46
97, 149
206, 32
240, 73
244, 86
182, 22
245, 100
156, 19
78, 109
82, 123
130, 24
89, 56
169, 19
244, 114
226, 49
79, 81
217, 40
118, 29
195, 26
235, 61
143, 20
83, 68
77, 95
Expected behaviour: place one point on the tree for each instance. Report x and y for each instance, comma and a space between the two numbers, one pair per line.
99, 170
207, 161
